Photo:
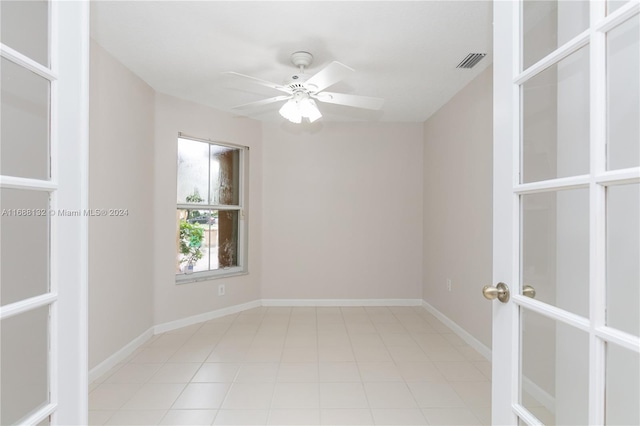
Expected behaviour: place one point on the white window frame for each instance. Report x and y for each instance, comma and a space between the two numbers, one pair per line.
242, 267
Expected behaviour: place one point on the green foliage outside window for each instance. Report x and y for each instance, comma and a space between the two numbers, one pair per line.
191, 236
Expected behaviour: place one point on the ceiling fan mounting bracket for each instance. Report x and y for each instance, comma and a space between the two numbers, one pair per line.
301, 59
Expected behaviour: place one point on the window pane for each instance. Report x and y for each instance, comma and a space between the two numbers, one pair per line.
623, 252
206, 240
555, 248
554, 377
24, 145
25, 28
194, 239
623, 85
24, 364
556, 120
24, 241
193, 172
227, 238
622, 386
225, 175
548, 25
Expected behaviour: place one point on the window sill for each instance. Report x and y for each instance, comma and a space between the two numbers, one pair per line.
209, 275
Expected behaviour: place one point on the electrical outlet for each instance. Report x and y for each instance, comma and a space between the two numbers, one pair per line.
221, 290
449, 284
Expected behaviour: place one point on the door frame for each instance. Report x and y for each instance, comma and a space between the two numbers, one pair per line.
72, 44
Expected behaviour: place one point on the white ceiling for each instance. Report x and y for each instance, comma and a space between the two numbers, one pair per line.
404, 52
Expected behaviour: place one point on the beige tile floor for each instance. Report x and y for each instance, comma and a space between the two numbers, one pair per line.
304, 366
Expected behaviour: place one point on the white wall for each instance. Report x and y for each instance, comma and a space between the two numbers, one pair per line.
120, 176
458, 146
342, 211
173, 302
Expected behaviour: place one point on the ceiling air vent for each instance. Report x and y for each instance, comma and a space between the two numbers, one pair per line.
471, 60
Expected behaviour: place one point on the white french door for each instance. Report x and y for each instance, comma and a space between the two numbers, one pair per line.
43, 147
566, 212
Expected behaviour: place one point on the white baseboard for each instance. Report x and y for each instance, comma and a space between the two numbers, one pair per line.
130, 347
196, 319
461, 332
120, 355
340, 302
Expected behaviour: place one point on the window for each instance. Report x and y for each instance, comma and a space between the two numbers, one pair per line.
210, 225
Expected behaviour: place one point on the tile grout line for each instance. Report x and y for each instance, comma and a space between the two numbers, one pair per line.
259, 324
364, 391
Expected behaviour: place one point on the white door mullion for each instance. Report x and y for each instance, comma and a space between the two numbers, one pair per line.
617, 17
620, 338
27, 305
553, 58
526, 416
53, 174
26, 62
12, 182
516, 161
54, 318
40, 415
597, 200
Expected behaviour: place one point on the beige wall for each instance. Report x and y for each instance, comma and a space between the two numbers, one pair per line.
458, 142
174, 302
342, 211
120, 176
334, 213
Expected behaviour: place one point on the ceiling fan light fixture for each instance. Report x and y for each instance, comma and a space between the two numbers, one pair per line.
291, 111
300, 107
309, 109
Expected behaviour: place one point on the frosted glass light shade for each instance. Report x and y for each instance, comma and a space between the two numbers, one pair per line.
298, 107
291, 111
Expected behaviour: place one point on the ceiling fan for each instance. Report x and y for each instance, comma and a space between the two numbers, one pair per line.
303, 90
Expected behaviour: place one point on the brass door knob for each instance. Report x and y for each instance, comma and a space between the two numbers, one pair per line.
500, 292
529, 291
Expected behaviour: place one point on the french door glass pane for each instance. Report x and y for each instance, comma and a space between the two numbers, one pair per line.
555, 248
623, 90
24, 113
547, 25
622, 386
555, 120
25, 364
613, 5
225, 175
623, 252
554, 376
193, 172
25, 28
24, 241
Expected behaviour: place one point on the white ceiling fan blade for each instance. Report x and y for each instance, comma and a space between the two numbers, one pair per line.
350, 100
329, 75
259, 81
262, 102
